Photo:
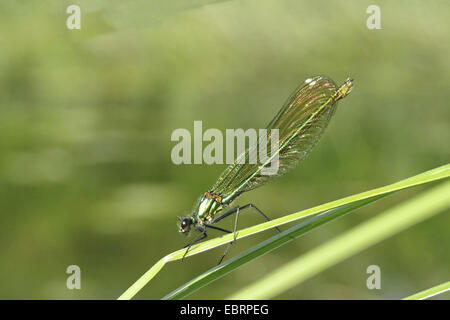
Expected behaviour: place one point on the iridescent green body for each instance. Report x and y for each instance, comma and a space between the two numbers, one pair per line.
301, 122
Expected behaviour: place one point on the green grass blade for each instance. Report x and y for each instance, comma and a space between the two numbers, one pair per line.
347, 204
263, 248
354, 200
357, 239
425, 294
145, 278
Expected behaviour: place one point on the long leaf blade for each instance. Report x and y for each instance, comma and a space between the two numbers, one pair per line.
422, 178
431, 292
300, 229
351, 242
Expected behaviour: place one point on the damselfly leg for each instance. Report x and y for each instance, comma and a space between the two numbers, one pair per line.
236, 210
201, 236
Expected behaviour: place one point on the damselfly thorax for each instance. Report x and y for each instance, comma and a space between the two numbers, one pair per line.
208, 206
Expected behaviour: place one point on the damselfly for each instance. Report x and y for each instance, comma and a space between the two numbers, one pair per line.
300, 123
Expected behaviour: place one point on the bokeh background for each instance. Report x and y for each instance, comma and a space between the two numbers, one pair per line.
86, 117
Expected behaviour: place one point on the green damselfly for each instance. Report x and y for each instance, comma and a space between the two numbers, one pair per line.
300, 123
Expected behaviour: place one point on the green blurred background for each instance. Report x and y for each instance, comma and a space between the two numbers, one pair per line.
86, 116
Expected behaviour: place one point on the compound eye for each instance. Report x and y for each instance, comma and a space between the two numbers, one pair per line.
185, 223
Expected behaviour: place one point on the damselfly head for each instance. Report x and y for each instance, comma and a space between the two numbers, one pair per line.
185, 225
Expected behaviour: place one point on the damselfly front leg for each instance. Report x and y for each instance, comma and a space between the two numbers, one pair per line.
202, 236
